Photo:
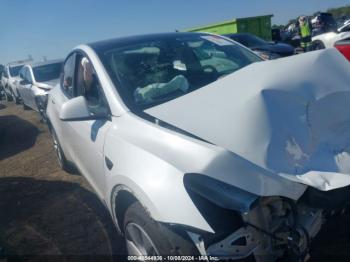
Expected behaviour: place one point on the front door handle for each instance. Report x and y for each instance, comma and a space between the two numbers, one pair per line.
109, 163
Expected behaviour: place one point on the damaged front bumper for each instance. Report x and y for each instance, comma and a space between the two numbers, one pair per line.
266, 228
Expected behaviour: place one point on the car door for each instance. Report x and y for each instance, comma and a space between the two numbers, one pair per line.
88, 136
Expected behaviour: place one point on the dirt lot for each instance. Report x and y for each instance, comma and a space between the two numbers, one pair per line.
44, 210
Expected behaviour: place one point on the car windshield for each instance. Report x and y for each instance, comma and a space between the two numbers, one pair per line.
47, 72
148, 73
14, 70
249, 40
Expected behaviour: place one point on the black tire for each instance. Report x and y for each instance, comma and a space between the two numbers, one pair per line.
41, 110
165, 240
62, 161
17, 100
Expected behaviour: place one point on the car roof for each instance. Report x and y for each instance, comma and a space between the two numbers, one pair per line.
110, 43
48, 62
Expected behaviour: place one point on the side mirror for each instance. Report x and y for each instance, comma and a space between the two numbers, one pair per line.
76, 109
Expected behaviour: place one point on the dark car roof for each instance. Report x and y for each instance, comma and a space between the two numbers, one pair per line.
110, 43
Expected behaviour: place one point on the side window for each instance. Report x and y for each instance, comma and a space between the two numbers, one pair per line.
24, 72
27, 75
21, 73
89, 86
67, 79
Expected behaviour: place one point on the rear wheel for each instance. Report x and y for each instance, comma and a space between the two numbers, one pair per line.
145, 236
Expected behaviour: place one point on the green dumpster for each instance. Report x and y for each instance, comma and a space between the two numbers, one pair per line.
258, 25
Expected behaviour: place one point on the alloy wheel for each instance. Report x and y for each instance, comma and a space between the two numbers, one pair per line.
138, 242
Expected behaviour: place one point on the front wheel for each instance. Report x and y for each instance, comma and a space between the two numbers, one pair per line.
147, 237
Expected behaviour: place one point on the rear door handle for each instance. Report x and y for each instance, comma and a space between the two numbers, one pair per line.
53, 101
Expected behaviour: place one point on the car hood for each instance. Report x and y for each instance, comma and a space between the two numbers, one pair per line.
48, 84
289, 116
279, 48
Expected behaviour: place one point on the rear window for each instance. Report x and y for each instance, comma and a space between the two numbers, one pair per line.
47, 72
14, 70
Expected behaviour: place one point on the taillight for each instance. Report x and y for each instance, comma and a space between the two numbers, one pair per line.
344, 48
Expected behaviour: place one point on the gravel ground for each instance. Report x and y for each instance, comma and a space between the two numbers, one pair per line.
45, 211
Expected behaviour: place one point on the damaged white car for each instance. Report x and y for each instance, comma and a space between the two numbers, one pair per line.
197, 147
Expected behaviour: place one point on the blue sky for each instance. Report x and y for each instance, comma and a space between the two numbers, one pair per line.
52, 28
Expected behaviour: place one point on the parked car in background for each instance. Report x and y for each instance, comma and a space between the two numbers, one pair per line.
329, 39
36, 80
10, 79
267, 50
197, 147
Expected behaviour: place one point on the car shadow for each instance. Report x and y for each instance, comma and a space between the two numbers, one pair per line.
16, 135
2, 106
63, 219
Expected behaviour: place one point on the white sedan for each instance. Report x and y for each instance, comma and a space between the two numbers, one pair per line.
36, 79
195, 146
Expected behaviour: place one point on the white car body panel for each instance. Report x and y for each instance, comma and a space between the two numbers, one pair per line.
151, 159
329, 39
